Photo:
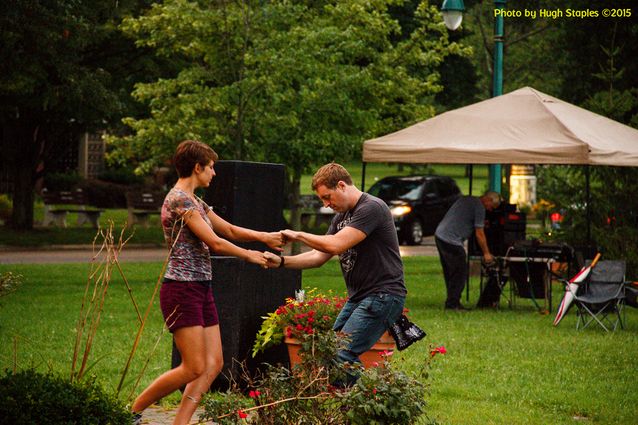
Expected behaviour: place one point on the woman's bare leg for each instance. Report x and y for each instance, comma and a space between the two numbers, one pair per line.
190, 342
195, 389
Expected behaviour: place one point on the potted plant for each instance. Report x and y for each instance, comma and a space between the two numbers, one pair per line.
300, 321
305, 395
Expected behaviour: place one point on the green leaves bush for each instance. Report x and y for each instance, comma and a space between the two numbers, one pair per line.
31, 397
312, 392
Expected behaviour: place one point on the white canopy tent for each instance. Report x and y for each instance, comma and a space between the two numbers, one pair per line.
522, 127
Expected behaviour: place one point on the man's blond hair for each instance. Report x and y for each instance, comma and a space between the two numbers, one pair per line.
329, 175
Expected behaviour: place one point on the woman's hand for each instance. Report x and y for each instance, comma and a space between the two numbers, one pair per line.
257, 257
274, 260
274, 240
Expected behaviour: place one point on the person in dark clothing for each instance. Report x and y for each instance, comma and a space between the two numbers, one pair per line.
466, 216
364, 237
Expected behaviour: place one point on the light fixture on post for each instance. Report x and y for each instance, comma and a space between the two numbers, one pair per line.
452, 13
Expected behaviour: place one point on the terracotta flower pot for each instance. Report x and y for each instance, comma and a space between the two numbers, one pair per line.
371, 358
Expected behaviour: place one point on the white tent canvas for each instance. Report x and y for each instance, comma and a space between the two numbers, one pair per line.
521, 127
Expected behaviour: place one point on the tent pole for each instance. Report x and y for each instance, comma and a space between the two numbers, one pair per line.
588, 200
467, 282
363, 176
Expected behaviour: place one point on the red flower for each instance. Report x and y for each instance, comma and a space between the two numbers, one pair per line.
299, 327
254, 394
374, 391
386, 353
438, 350
241, 414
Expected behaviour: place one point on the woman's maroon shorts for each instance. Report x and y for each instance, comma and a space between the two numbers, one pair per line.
187, 304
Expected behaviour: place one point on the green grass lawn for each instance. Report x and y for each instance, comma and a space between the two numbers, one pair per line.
502, 367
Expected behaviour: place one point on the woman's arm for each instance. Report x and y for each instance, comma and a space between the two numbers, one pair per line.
202, 230
273, 240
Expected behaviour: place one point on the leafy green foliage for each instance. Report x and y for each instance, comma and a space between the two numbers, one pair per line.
64, 70
305, 394
299, 319
28, 397
385, 396
613, 208
299, 83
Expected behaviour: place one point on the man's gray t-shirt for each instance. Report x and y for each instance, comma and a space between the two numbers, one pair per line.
374, 264
466, 214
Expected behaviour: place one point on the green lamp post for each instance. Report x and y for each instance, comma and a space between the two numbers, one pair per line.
453, 16
497, 86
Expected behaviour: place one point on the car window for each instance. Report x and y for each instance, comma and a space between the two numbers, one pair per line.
447, 187
409, 190
430, 189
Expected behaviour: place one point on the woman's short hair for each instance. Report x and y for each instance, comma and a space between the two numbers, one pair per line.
191, 152
329, 175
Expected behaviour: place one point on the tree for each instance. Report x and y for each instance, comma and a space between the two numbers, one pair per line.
301, 83
63, 71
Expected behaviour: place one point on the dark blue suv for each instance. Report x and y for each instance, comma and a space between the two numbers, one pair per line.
417, 203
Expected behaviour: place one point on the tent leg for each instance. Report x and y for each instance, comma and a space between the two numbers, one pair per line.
363, 176
467, 282
588, 200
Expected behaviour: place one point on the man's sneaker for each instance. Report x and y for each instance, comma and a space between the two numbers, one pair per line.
137, 419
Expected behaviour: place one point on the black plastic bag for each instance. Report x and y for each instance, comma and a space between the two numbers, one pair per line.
405, 333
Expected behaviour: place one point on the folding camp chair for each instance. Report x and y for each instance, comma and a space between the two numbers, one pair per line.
600, 299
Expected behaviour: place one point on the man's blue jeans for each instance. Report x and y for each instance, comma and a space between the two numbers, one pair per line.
365, 321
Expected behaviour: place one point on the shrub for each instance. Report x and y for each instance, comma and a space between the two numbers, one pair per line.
5, 208
62, 181
124, 176
307, 395
104, 194
9, 282
30, 397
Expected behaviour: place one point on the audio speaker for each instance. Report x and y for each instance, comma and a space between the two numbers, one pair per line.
249, 194
503, 227
529, 279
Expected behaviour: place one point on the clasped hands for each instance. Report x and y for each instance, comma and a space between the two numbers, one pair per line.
276, 241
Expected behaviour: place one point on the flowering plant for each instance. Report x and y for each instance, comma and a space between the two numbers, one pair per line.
299, 318
305, 395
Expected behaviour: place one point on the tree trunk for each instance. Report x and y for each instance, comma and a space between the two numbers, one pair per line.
20, 145
23, 197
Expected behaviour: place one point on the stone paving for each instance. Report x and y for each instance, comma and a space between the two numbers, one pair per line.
157, 415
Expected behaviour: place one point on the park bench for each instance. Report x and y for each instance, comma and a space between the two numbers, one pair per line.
57, 204
142, 204
313, 213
